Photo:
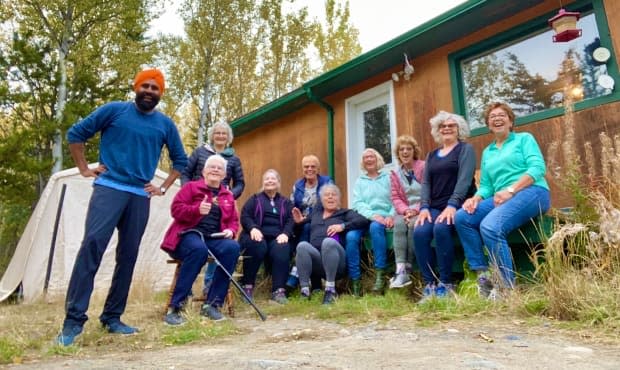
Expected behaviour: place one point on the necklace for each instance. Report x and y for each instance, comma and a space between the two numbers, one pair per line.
273, 206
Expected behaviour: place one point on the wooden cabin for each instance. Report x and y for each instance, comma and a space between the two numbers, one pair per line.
479, 51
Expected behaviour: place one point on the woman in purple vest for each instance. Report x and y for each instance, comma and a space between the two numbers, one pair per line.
267, 223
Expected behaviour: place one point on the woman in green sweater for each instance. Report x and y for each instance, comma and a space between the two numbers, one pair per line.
512, 190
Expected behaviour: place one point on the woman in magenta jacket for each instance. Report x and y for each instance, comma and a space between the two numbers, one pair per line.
201, 209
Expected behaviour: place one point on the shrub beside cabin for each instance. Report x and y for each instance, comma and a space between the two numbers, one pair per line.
480, 49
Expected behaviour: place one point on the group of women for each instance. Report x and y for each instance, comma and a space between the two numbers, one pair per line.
425, 204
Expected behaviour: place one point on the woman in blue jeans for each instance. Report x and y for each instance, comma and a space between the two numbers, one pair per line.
205, 220
372, 199
448, 181
512, 190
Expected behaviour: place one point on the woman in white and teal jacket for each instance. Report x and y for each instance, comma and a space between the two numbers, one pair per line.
371, 199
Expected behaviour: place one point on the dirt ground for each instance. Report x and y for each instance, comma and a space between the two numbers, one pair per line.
297, 343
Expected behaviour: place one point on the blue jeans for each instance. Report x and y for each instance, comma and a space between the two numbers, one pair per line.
193, 253
108, 209
277, 259
379, 248
490, 226
225, 250
443, 254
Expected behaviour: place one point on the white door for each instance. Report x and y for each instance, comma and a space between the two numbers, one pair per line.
370, 124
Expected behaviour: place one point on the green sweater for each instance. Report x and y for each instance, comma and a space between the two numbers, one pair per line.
502, 167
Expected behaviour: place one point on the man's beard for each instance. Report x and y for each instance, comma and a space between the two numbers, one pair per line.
146, 105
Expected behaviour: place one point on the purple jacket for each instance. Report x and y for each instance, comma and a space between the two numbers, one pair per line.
186, 214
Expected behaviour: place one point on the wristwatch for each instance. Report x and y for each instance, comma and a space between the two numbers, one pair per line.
511, 190
163, 190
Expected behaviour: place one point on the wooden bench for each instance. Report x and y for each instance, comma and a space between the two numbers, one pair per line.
229, 301
523, 241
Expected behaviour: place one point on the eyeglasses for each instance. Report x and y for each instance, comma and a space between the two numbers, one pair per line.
447, 125
498, 115
405, 149
215, 167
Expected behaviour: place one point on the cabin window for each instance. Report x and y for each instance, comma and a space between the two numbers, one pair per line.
532, 74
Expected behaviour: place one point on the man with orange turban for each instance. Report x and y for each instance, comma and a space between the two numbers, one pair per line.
132, 136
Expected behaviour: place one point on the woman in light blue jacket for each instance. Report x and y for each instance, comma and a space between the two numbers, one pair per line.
371, 199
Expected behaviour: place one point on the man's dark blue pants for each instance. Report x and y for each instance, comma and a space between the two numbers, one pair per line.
108, 209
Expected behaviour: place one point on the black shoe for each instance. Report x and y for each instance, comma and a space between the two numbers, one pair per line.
329, 297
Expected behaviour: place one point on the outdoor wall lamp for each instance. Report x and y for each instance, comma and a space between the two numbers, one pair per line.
564, 25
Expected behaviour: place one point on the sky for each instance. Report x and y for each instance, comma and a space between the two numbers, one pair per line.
377, 21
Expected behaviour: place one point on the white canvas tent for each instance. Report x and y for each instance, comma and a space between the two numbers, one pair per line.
30, 261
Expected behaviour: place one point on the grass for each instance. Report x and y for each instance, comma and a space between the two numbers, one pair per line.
28, 330
576, 285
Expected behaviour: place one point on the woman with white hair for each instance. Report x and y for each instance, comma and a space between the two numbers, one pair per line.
205, 220
448, 181
372, 199
323, 256
219, 139
267, 222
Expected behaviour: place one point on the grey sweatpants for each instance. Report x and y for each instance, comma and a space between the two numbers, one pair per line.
328, 263
403, 240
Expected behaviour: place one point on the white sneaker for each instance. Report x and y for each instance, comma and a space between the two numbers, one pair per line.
400, 281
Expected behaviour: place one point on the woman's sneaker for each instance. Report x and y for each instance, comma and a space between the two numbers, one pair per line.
330, 296
279, 296
400, 281
173, 317
292, 282
211, 312
428, 292
444, 290
485, 287
305, 292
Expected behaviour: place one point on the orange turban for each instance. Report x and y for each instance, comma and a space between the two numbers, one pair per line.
149, 74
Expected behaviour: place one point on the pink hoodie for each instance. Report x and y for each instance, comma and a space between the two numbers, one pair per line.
399, 198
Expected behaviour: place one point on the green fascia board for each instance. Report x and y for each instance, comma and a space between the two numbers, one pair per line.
450, 26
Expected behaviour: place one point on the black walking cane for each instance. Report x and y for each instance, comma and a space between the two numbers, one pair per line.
232, 280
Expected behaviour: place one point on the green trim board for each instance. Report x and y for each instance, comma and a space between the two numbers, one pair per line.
529, 28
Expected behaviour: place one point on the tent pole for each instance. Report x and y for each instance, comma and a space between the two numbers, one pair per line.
54, 235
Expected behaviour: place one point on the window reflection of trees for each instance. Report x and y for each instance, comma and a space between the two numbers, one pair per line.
377, 131
503, 76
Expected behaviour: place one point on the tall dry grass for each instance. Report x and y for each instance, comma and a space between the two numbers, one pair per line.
581, 268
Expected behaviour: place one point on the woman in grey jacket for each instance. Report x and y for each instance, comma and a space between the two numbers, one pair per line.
220, 136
